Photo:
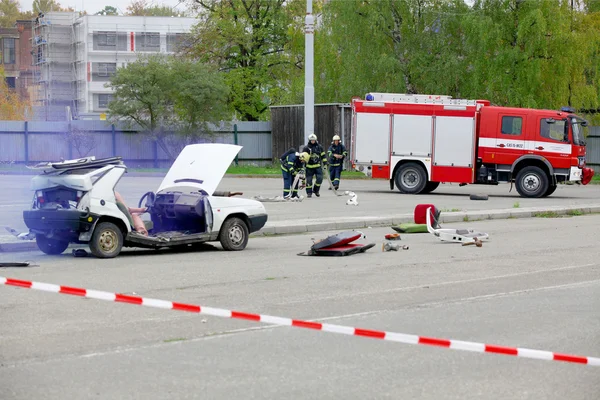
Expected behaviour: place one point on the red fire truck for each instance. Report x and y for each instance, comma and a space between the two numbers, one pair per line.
420, 141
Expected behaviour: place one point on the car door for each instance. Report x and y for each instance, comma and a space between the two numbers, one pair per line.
510, 139
552, 142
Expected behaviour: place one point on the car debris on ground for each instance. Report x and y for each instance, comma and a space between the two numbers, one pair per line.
387, 246
465, 236
339, 244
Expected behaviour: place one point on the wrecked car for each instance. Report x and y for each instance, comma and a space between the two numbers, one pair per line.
75, 202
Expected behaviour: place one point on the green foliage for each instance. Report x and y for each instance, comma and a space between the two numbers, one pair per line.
542, 54
9, 12
249, 41
146, 8
161, 92
108, 10
45, 6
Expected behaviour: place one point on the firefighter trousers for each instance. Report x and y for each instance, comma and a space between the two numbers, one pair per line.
335, 173
310, 173
288, 180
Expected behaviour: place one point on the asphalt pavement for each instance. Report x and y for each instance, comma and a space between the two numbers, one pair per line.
374, 197
535, 284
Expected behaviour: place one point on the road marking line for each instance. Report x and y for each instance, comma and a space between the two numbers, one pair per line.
339, 329
440, 284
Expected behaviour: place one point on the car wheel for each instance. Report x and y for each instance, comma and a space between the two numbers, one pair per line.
107, 240
411, 178
51, 246
532, 182
234, 234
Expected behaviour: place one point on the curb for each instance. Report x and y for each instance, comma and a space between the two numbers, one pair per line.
280, 228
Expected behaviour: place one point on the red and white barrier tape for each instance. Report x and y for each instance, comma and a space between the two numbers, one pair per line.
268, 319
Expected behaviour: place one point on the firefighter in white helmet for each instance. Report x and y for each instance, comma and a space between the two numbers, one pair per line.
314, 166
336, 153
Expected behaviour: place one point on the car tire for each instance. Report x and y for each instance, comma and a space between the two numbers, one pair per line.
107, 240
532, 182
234, 234
51, 246
479, 197
411, 178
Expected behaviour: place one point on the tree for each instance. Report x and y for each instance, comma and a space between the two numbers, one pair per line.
82, 141
143, 8
108, 10
9, 12
45, 6
249, 41
12, 107
160, 92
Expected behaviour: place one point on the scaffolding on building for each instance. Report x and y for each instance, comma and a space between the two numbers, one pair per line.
52, 41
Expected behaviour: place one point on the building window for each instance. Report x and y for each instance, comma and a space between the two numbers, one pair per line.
11, 82
512, 125
8, 52
554, 131
104, 99
107, 39
175, 42
151, 39
107, 69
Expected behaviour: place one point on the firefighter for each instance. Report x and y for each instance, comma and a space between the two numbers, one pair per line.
315, 166
292, 163
336, 152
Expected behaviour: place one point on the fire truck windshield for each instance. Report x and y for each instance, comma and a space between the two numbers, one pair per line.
577, 128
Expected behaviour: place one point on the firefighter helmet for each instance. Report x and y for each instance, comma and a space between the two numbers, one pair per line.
336, 137
304, 157
312, 136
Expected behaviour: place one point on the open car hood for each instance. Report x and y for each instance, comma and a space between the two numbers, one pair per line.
200, 166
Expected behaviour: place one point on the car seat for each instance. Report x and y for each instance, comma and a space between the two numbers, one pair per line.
148, 224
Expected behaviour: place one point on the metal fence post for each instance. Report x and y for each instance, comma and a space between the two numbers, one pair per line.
155, 153
26, 139
114, 140
235, 141
70, 144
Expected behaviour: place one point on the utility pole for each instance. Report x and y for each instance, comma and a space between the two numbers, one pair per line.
309, 90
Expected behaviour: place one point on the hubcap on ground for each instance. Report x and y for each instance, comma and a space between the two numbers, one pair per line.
531, 183
236, 235
410, 178
108, 241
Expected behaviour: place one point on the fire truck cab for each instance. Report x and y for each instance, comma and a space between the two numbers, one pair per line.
420, 141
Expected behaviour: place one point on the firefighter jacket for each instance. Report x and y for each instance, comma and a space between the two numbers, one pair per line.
292, 164
339, 149
317, 154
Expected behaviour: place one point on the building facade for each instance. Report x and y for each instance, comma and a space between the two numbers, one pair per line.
75, 56
15, 50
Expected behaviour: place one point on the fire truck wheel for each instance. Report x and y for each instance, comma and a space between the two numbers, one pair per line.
430, 187
551, 189
411, 178
532, 182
